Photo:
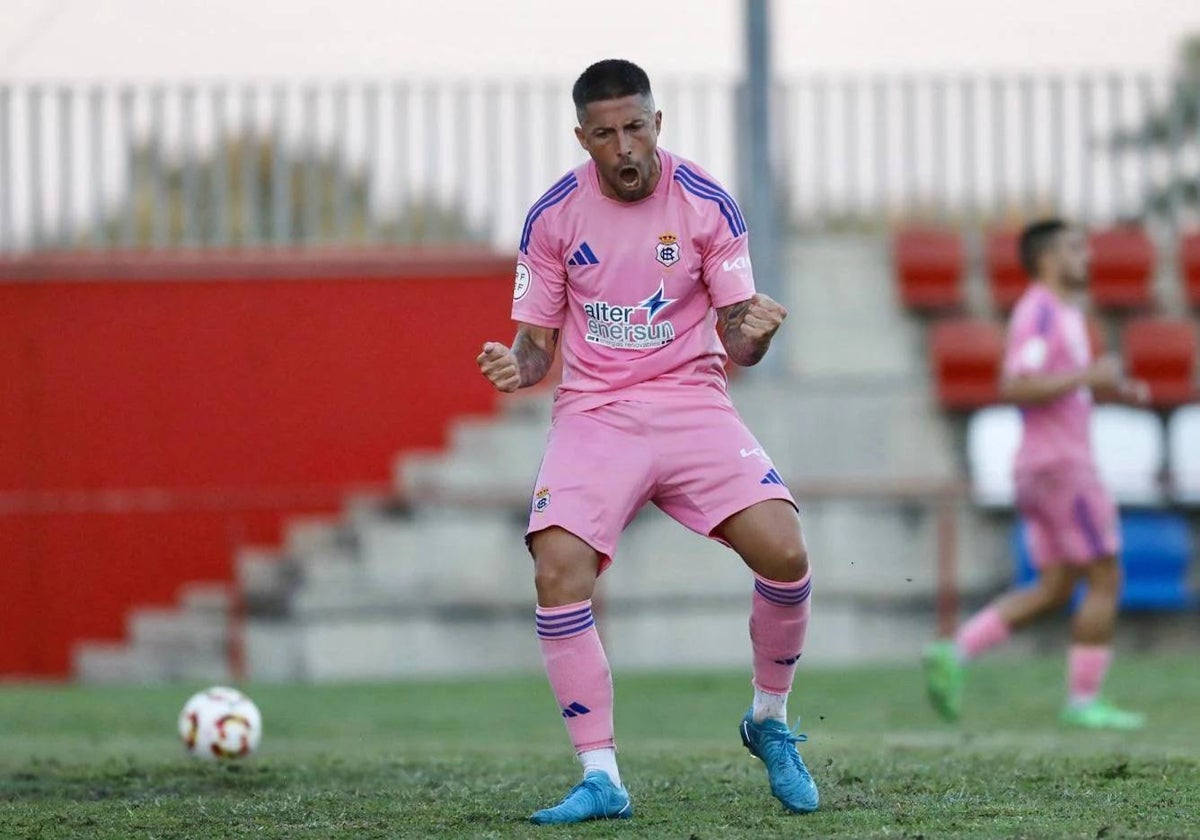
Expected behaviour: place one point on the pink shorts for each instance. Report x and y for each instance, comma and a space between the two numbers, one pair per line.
697, 462
1069, 515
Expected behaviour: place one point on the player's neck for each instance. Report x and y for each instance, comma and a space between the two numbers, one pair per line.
1059, 290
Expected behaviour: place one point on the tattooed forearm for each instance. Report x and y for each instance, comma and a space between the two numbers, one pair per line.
534, 352
742, 349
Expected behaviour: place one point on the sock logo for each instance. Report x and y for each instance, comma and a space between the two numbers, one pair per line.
575, 710
791, 660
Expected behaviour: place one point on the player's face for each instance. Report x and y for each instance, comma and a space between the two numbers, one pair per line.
1074, 256
621, 135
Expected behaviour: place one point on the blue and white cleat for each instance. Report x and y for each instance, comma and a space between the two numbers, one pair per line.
595, 798
775, 744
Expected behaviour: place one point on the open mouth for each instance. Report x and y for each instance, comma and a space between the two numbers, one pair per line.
629, 177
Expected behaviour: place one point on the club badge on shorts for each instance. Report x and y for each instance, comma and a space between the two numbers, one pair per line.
541, 500
667, 249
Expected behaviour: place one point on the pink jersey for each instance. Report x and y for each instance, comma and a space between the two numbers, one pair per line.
633, 286
1047, 336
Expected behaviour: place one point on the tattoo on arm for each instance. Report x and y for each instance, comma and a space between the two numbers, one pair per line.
744, 351
534, 357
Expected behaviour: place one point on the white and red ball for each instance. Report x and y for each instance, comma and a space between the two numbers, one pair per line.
220, 723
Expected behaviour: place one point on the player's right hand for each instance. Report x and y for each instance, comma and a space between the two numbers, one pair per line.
1105, 372
499, 365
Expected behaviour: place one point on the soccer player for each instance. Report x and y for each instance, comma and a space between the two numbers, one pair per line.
638, 261
1070, 518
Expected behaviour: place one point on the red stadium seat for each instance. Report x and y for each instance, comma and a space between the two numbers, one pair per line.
1162, 351
966, 354
929, 265
1122, 268
1189, 266
1006, 278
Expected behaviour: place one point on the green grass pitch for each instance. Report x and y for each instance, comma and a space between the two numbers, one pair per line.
473, 759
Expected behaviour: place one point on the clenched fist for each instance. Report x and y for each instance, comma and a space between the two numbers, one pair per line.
763, 318
499, 365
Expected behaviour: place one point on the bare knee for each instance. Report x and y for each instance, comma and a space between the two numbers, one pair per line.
565, 568
1055, 593
784, 559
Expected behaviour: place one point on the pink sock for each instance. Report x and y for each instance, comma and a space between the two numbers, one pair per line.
578, 672
986, 629
1086, 667
778, 621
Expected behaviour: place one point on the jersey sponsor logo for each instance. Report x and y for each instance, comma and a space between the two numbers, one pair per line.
523, 281
583, 256
742, 263
541, 500
667, 249
630, 327
755, 452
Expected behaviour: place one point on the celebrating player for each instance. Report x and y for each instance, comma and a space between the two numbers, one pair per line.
1070, 517
638, 259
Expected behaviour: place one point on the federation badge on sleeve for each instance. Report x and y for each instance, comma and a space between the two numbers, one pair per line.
667, 249
541, 500
522, 281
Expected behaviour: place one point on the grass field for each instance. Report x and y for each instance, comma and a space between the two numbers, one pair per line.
474, 759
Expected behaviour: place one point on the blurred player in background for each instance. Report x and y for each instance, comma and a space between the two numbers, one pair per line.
638, 259
1071, 520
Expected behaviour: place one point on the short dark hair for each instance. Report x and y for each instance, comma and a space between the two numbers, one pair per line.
612, 78
1036, 239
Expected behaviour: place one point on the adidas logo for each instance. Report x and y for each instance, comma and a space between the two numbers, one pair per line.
791, 660
772, 477
575, 710
583, 256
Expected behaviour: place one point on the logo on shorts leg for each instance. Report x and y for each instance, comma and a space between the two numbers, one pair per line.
541, 500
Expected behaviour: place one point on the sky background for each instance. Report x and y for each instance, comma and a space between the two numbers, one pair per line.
141, 40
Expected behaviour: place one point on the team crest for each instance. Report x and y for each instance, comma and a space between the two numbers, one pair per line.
541, 500
667, 249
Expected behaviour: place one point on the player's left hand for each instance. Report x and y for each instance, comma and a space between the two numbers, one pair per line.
1135, 391
763, 318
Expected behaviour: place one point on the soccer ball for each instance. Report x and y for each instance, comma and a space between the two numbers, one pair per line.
220, 723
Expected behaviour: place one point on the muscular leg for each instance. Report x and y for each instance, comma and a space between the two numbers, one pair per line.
993, 624
768, 538
565, 570
1092, 632
1096, 619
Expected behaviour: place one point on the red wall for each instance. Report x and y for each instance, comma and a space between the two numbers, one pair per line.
158, 412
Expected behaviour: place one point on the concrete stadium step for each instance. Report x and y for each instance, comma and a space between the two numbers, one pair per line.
821, 428
209, 599
510, 437
844, 318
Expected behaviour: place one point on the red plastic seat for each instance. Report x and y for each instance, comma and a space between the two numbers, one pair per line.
966, 355
1162, 351
929, 267
1189, 266
1122, 268
1006, 278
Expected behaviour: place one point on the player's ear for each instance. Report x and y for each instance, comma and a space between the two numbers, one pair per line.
658, 122
579, 137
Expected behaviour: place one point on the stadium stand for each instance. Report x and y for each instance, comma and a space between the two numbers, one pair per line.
993, 435
1122, 268
1189, 267
965, 354
1156, 549
1163, 352
1006, 279
929, 268
1183, 446
1130, 452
